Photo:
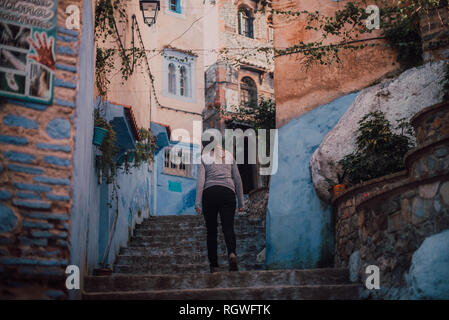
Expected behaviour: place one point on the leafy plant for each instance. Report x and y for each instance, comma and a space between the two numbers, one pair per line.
379, 151
107, 13
144, 151
105, 163
399, 26
256, 114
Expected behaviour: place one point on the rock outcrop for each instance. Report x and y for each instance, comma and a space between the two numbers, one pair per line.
402, 97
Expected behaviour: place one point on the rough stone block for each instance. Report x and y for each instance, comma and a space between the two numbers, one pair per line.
65, 84
30, 261
33, 242
421, 209
54, 147
18, 141
28, 195
19, 121
32, 204
428, 191
444, 193
8, 220
46, 234
429, 272
57, 161
32, 187
58, 129
46, 216
19, 156
36, 225
30, 170
64, 103
57, 197
30, 105
5, 195
65, 67
55, 181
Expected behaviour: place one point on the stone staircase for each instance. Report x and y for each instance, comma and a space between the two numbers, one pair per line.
167, 259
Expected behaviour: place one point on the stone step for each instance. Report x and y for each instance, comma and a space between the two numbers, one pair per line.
194, 248
195, 217
179, 268
178, 259
198, 249
192, 243
217, 280
183, 237
196, 231
156, 225
313, 292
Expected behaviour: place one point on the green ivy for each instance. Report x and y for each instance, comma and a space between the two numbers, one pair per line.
106, 14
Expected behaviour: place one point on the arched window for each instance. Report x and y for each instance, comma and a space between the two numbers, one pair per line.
270, 28
246, 23
175, 6
171, 78
248, 91
183, 81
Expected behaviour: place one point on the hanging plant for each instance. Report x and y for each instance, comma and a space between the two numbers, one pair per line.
144, 151
105, 163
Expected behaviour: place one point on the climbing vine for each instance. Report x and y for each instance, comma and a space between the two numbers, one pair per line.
107, 14
399, 29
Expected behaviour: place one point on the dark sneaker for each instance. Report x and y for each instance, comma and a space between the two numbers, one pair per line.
233, 262
213, 269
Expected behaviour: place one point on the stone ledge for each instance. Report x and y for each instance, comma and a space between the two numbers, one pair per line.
408, 158
418, 117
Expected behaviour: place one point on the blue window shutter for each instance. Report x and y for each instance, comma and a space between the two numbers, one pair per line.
178, 6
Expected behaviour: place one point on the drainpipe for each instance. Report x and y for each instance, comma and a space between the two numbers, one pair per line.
155, 168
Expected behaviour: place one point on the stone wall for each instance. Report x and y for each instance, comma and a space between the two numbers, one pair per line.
36, 162
300, 89
299, 224
384, 221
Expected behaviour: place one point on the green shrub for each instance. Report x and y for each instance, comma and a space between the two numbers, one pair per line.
379, 151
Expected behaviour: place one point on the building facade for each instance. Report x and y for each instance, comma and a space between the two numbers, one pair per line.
239, 66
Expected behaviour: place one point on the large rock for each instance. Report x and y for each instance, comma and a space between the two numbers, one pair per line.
402, 97
429, 272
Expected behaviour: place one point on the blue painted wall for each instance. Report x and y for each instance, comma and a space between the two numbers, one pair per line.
175, 194
84, 213
133, 206
91, 218
299, 224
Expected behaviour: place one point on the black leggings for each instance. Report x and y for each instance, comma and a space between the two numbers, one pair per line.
219, 199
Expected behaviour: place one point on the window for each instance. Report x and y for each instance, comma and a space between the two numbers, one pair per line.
171, 78
183, 81
270, 28
179, 77
246, 23
248, 91
174, 6
178, 161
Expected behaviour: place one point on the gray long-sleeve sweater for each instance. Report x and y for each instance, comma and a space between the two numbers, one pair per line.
226, 175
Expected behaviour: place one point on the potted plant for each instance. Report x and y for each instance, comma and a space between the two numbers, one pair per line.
338, 187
